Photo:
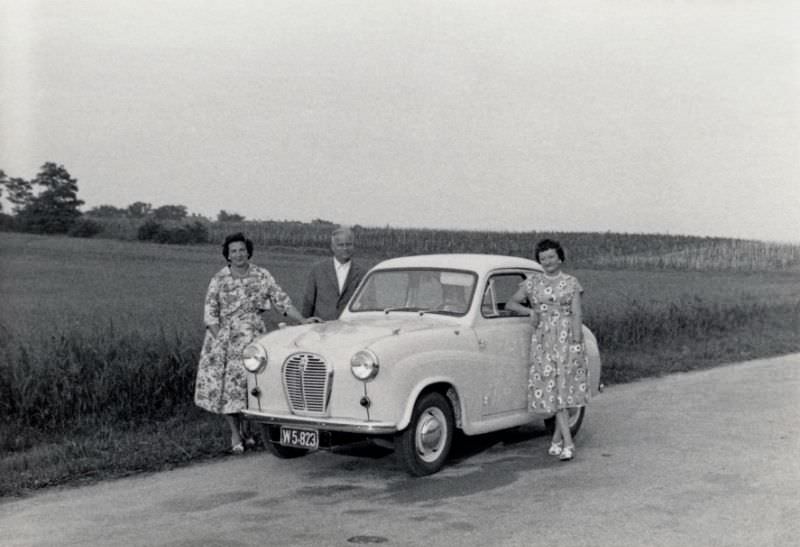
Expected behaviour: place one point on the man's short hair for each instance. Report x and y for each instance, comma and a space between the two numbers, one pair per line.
342, 229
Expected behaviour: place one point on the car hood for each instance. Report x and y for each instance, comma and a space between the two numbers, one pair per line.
353, 333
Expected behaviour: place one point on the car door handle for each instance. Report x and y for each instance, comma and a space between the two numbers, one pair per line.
481, 343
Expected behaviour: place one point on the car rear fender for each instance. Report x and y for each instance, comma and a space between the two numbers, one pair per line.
595, 365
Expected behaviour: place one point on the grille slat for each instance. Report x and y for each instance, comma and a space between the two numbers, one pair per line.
307, 383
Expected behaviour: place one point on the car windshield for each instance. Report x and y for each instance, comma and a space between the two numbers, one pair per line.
428, 290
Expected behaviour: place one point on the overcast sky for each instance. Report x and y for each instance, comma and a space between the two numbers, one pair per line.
678, 117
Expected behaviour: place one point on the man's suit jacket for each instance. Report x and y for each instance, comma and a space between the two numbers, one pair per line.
322, 298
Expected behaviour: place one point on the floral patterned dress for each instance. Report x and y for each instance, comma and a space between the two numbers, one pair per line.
235, 304
558, 376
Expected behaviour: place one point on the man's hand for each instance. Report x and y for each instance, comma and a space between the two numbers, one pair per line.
313, 319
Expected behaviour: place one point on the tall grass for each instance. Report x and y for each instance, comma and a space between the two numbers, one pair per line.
62, 380
58, 381
639, 325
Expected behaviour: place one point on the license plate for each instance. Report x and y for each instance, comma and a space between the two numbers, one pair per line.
300, 438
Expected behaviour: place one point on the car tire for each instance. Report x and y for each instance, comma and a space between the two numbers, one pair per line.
575, 420
424, 445
277, 449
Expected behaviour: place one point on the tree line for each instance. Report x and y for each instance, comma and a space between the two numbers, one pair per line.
143, 210
49, 204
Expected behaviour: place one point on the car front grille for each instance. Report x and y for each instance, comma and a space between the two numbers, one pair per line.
307, 383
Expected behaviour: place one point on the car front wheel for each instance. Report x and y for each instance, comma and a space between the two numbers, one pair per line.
423, 446
284, 452
575, 420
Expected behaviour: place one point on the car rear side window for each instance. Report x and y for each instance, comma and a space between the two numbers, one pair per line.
498, 292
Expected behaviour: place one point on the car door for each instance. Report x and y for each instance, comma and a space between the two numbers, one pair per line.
504, 339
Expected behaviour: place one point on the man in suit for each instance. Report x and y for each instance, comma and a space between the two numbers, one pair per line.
333, 281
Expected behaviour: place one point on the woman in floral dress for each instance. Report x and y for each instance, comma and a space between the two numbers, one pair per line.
237, 296
558, 377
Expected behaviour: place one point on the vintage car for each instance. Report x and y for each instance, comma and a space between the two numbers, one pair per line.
424, 347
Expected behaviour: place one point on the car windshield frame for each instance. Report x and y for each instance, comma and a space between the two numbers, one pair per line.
415, 309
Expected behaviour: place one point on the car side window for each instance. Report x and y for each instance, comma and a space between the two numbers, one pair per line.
498, 291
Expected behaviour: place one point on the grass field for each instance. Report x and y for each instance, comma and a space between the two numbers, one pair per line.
99, 342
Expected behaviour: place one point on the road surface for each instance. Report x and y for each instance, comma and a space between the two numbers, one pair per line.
703, 458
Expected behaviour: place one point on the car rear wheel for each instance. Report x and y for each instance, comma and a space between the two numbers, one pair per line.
576, 415
423, 446
284, 452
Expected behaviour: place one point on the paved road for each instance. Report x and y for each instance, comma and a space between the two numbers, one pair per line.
705, 458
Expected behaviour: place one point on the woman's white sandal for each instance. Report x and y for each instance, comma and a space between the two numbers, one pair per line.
555, 449
567, 453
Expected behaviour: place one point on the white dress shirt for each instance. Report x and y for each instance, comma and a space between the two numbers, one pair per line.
341, 272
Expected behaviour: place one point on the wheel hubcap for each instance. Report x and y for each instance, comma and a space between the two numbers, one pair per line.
430, 434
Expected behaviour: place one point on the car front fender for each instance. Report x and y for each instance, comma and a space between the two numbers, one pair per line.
444, 384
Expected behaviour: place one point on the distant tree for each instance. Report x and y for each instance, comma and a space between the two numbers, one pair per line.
11, 186
198, 233
20, 192
106, 211
56, 208
170, 212
196, 217
224, 216
148, 230
139, 209
85, 227
195, 232
323, 222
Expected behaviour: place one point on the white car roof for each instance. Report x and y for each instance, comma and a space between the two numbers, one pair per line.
462, 261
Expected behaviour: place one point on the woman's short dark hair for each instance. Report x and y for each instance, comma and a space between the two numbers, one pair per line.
546, 245
238, 236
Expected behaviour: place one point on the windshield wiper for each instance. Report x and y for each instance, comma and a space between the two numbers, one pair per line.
404, 308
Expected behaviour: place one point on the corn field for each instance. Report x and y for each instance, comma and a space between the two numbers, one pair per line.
584, 249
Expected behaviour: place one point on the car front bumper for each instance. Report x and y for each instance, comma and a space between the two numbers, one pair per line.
324, 424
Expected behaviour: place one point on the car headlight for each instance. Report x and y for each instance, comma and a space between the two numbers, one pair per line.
254, 358
364, 365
